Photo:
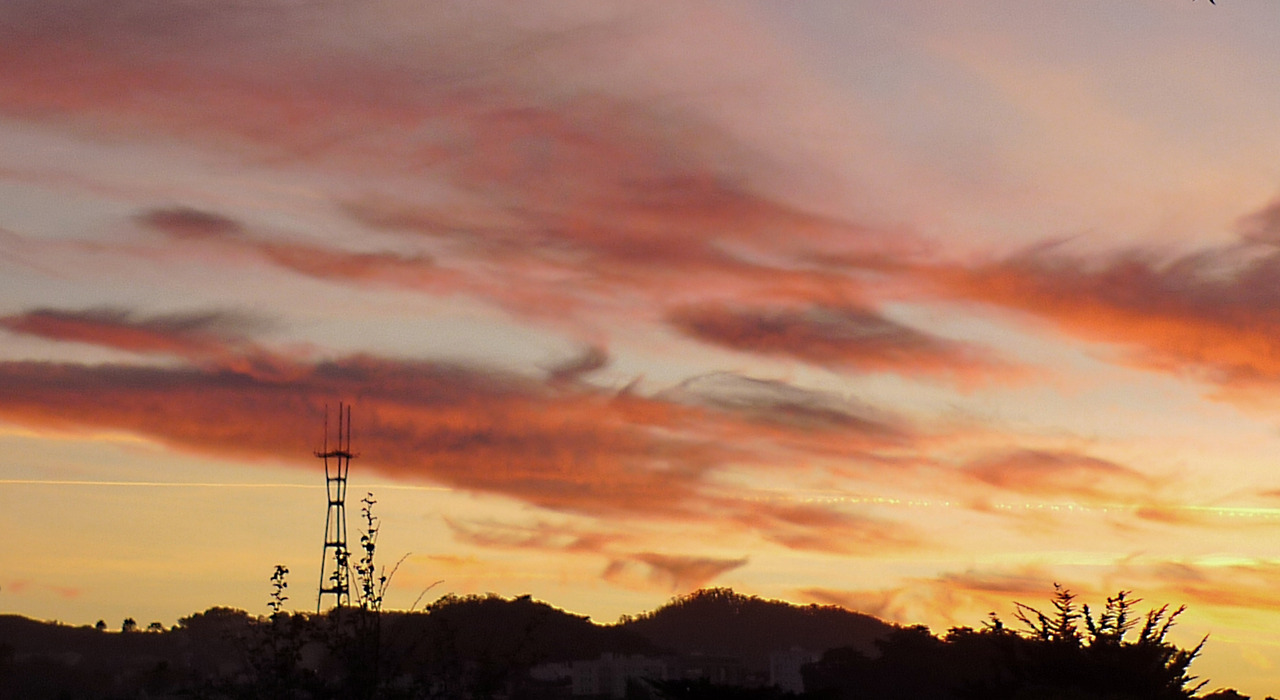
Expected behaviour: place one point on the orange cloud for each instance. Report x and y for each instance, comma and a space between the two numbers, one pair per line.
212, 338
689, 239
25, 586
806, 319
1248, 586
1262, 226
539, 536
546, 199
825, 529
470, 429
190, 335
553, 201
943, 598
185, 222
556, 442
840, 337
875, 603
670, 572
1028, 582
1061, 474
537, 176
217, 233
1213, 314
1251, 588
777, 409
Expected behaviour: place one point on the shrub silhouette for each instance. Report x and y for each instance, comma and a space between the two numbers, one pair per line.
1075, 654
1067, 653
274, 648
356, 633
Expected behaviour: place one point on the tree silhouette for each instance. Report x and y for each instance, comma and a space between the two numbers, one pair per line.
356, 635
1068, 652
274, 651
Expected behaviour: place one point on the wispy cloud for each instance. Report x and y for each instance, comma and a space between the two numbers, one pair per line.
472, 429
187, 222
778, 409
187, 335
213, 233
1062, 474
552, 199
840, 337
537, 536
28, 587
675, 573
1246, 585
1199, 584
551, 441
945, 597
1212, 315
216, 339
827, 529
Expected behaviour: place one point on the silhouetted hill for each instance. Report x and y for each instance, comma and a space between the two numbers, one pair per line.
720, 622
497, 639
472, 646
485, 647
50, 660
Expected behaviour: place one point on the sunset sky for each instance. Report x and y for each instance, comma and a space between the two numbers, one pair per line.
915, 307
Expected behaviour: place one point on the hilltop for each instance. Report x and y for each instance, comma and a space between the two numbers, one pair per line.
471, 646
721, 622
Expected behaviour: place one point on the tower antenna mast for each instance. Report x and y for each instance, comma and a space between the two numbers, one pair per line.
335, 577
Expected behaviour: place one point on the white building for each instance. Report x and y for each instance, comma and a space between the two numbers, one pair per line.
784, 668
552, 671
609, 674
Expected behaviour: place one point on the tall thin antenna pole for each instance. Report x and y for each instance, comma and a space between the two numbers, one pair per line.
334, 569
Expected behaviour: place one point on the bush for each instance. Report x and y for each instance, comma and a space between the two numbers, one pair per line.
1068, 653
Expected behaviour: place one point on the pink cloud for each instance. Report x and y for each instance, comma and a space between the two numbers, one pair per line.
538, 536
548, 198
672, 572
943, 597
214, 339
191, 335
840, 337
27, 587
1062, 474
555, 442
825, 529
1213, 315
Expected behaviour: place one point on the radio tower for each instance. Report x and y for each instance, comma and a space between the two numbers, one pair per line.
334, 568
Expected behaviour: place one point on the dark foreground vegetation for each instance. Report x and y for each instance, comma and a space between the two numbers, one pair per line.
458, 647
1069, 652
710, 644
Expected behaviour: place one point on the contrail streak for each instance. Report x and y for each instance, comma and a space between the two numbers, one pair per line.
828, 497
203, 484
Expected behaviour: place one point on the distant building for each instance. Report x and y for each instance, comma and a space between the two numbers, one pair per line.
609, 675
552, 671
784, 668
721, 670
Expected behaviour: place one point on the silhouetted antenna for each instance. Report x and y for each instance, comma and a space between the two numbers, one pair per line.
334, 562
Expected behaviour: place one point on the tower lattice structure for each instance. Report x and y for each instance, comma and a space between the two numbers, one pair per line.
335, 570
